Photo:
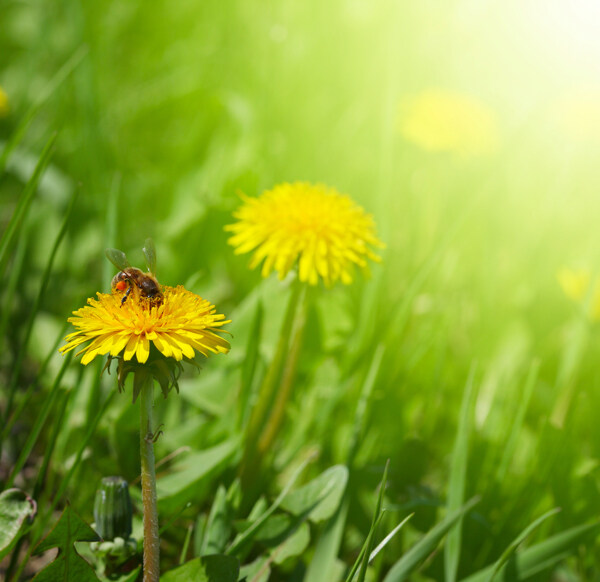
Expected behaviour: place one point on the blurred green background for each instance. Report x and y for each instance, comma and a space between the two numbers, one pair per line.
165, 111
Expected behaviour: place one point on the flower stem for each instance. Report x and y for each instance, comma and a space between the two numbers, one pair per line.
151, 539
267, 391
275, 419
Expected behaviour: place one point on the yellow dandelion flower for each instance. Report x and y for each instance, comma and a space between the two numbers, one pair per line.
182, 324
439, 121
313, 225
577, 284
3, 103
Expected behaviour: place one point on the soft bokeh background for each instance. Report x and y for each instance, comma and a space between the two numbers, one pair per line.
471, 130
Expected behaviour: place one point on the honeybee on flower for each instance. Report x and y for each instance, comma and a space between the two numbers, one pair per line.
158, 325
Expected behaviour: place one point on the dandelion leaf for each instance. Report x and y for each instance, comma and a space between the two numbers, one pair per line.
320, 498
294, 545
192, 474
17, 510
68, 565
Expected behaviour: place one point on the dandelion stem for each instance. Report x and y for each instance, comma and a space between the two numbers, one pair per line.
268, 388
151, 538
288, 375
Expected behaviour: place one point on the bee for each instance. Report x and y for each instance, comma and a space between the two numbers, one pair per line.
133, 280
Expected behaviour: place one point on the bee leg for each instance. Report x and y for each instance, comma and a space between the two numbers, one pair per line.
126, 295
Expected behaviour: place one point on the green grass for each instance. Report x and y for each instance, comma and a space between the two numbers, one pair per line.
459, 359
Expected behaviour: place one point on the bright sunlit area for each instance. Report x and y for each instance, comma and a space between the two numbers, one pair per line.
300, 291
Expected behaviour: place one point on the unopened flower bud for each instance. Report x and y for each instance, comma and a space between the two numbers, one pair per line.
112, 509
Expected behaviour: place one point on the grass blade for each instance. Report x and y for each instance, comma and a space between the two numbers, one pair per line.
29, 392
512, 548
246, 537
363, 558
111, 227
44, 94
360, 560
37, 426
536, 559
249, 366
389, 537
14, 279
376, 519
58, 417
36, 306
24, 202
458, 476
44, 519
362, 405
409, 562
517, 425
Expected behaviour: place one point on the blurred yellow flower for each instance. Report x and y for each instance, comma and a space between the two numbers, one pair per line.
578, 115
442, 121
182, 323
312, 224
3, 103
576, 285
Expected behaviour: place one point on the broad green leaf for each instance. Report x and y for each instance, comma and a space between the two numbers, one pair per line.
68, 566
535, 559
458, 476
276, 529
191, 475
245, 538
218, 526
215, 568
17, 509
319, 498
257, 571
212, 532
322, 567
294, 545
427, 544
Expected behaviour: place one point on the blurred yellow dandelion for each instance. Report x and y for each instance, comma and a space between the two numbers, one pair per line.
178, 327
325, 232
439, 121
577, 285
3, 103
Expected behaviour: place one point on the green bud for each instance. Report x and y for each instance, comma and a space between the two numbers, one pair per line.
112, 509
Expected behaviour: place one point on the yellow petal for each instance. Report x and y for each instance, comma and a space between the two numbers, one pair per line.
131, 347
143, 349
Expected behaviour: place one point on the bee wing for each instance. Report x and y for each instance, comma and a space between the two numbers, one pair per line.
150, 254
118, 259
